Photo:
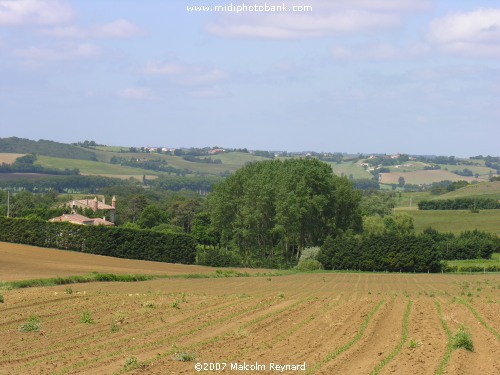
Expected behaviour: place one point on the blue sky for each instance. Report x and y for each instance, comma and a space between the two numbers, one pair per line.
409, 76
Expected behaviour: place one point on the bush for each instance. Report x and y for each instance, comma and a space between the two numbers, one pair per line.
309, 265
218, 258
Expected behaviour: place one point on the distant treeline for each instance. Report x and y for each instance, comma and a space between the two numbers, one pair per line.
65, 184
175, 183
460, 204
196, 159
44, 147
110, 241
158, 165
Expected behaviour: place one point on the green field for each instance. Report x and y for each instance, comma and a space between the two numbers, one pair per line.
93, 167
349, 168
485, 190
495, 260
456, 221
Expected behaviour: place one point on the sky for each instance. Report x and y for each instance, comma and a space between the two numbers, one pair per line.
371, 76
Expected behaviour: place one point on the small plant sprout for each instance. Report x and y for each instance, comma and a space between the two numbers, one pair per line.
68, 291
414, 344
185, 356
131, 363
176, 304
32, 325
86, 318
462, 340
1, 298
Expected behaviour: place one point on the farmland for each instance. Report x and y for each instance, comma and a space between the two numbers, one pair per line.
334, 322
455, 221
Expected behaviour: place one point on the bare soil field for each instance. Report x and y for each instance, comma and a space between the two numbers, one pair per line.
22, 262
9, 158
332, 323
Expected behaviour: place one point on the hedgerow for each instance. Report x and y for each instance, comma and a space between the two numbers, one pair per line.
115, 241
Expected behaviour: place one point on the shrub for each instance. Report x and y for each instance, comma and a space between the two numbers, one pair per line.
309, 265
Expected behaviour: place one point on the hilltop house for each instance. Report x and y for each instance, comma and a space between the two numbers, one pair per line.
92, 204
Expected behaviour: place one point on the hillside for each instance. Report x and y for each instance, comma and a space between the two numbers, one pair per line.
44, 147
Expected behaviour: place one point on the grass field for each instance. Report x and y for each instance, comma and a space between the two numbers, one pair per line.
455, 221
495, 260
349, 168
424, 177
485, 189
88, 167
331, 323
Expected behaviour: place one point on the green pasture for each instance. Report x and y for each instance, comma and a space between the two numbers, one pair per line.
455, 221
350, 168
495, 260
92, 167
484, 190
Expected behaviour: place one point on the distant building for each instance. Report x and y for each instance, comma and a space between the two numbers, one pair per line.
95, 206
92, 204
216, 151
81, 220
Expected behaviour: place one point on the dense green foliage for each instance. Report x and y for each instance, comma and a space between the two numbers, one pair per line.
175, 183
65, 184
44, 147
459, 204
468, 245
391, 252
110, 241
272, 210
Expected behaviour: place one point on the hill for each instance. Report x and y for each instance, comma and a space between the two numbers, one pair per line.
44, 147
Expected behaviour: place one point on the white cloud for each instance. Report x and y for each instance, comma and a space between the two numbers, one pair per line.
116, 29
182, 74
136, 93
326, 18
34, 12
474, 34
84, 51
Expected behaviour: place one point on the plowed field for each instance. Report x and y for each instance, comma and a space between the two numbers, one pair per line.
333, 323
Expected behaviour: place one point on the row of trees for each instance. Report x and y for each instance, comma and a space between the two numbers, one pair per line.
111, 241
460, 204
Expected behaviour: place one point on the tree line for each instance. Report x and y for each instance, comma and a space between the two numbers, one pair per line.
460, 204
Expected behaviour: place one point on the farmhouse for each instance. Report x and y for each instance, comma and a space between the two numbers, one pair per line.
95, 206
81, 220
92, 204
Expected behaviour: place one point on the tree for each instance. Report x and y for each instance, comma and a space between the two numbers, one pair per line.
401, 181
151, 217
274, 209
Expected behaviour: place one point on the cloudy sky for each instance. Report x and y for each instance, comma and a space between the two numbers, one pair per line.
410, 76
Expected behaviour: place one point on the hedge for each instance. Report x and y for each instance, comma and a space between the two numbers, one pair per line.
460, 204
111, 241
